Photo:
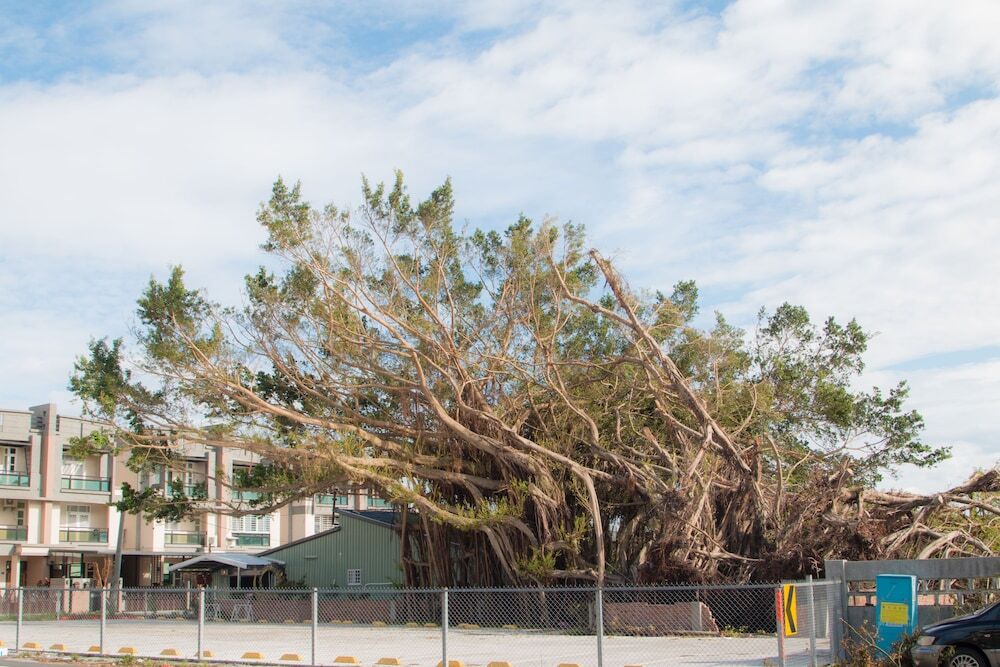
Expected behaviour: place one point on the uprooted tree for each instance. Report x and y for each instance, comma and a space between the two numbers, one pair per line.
536, 418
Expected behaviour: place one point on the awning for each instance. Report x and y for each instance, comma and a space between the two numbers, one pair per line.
216, 560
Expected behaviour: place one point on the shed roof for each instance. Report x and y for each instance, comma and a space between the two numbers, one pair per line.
216, 560
384, 518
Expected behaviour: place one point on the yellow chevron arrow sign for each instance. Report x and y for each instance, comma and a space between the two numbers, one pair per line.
791, 609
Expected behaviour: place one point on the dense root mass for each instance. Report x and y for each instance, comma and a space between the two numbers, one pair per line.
538, 419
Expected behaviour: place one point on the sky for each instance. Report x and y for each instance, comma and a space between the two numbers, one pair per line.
842, 156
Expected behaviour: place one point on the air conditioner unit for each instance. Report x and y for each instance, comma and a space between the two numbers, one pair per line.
230, 541
211, 540
7, 502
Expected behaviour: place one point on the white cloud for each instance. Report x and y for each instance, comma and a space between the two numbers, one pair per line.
823, 154
903, 236
959, 405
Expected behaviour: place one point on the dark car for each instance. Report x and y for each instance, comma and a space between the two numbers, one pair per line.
973, 638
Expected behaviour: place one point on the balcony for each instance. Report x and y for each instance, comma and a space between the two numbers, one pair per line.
376, 503
14, 479
83, 535
14, 533
184, 538
83, 483
252, 539
328, 500
245, 495
196, 490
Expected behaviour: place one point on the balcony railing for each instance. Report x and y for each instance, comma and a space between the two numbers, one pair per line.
252, 539
14, 533
14, 479
378, 503
196, 490
327, 499
83, 535
245, 495
184, 537
81, 483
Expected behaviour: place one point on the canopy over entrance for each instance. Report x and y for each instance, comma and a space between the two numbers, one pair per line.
240, 564
212, 562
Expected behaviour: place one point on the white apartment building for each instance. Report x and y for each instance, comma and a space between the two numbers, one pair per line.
57, 523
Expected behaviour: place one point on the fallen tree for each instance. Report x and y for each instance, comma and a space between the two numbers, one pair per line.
537, 418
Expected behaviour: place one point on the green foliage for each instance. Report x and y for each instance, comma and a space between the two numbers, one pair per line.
99, 379
539, 564
806, 374
501, 382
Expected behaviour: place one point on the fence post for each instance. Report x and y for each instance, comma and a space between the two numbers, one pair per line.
836, 570
444, 628
810, 607
20, 619
696, 622
779, 617
201, 621
600, 626
104, 614
315, 621
832, 600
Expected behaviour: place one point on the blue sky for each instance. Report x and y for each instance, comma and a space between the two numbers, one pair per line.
845, 157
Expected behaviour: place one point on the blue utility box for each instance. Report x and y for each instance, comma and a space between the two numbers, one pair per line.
896, 608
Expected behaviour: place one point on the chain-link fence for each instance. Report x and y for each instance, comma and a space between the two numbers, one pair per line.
543, 627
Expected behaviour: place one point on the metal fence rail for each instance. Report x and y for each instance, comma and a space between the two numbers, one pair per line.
538, 627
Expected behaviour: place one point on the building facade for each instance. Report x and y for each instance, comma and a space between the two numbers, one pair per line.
57, 522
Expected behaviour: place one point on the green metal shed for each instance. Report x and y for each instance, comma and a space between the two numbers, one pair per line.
361, 550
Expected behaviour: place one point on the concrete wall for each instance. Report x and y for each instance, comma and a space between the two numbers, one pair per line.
854, 572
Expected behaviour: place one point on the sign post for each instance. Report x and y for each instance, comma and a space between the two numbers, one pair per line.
779, 625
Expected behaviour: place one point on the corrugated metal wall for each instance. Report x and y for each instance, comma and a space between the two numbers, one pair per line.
323, 562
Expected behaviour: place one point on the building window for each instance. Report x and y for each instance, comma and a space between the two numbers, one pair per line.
323, 522
72, 467
354, 577
252, 523
77, 516
193, 526
10, 459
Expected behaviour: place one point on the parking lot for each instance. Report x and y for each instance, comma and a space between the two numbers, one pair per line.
413, 646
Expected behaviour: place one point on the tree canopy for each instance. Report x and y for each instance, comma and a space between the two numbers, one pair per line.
536, 417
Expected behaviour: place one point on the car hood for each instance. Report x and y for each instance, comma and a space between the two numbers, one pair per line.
948, 622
